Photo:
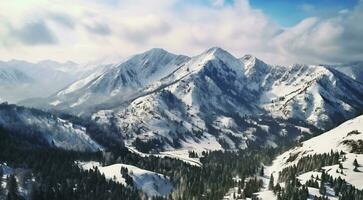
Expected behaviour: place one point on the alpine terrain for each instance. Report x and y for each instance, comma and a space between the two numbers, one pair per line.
164, 126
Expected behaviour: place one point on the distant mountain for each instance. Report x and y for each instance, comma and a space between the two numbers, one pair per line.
172, 100
353, 70
11, 77
21, 80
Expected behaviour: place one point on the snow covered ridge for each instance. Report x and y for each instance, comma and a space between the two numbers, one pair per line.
304, 92
46, 128
153, 184
346, 138
157, 95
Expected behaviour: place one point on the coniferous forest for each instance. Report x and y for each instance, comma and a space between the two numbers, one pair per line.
52, 173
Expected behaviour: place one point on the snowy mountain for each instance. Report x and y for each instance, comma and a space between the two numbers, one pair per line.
44, 129
21, 80
118, 85
171, 100
13, 77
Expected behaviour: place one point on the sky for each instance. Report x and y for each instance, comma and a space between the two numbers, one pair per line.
276, 31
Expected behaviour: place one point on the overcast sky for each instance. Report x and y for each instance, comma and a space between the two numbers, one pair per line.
277, 31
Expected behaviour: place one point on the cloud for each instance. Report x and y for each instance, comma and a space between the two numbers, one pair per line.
335, 39
63, 19
85, 30
98, 28
34, 33
141, 30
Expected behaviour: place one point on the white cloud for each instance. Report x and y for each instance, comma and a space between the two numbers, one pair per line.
85, 30
335, 39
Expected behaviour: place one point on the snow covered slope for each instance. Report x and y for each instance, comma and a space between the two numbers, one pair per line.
41, 128
153, 184
119, 84
319, 95
159, 97
210, 97
348, 138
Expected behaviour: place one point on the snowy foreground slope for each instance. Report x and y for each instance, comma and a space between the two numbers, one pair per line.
338, 139
153, 184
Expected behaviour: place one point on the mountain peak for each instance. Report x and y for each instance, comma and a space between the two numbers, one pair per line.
219, 54
253, 64
248, 57
156, 51
217, 51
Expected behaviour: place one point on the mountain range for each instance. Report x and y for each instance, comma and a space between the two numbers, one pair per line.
21, 80
173, 100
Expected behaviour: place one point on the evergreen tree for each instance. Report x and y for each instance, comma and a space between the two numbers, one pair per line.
341, 166
262, 171
277, 188
12, 187
355, 163
1, 181
271, 183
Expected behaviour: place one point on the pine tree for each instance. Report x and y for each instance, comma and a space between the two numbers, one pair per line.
355, 163
1, 180
262, 171
322, 189
340, 166
1, 175
12, 187
271, 183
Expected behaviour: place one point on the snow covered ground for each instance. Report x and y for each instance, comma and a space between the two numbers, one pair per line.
324, 143
207, 143
153, 184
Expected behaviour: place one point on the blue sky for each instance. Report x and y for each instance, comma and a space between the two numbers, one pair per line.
290, 12
277, 31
